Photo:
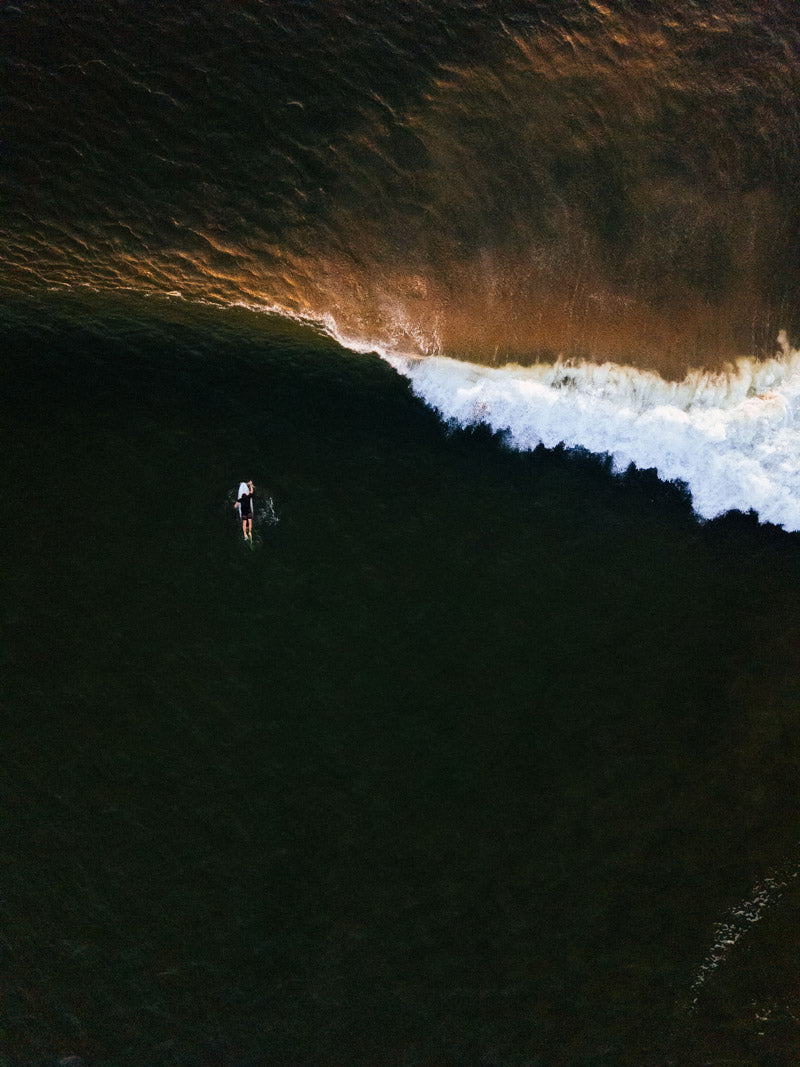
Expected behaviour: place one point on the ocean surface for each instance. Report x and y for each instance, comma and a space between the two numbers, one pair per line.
485, 751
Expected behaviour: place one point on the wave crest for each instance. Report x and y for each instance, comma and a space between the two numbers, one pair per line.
731, 437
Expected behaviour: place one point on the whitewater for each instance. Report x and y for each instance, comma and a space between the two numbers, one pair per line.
731, 438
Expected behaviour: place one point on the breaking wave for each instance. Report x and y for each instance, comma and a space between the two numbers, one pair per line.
732, 438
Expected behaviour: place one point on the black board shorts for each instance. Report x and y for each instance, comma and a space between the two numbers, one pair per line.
246, 507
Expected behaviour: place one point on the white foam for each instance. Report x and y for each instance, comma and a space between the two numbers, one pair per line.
732, 438
740, 919
734, 926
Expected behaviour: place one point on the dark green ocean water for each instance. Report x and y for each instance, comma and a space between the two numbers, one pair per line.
478, 757
460, 764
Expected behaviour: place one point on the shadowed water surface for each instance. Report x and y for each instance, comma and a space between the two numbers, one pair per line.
461, 765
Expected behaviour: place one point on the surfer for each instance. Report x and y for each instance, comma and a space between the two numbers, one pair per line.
244, 505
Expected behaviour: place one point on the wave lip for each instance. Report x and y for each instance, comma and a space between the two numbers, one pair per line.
732, 438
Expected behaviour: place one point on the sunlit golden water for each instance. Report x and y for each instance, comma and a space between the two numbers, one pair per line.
587, 182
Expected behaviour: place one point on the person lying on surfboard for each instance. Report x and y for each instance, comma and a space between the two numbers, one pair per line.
245, 507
